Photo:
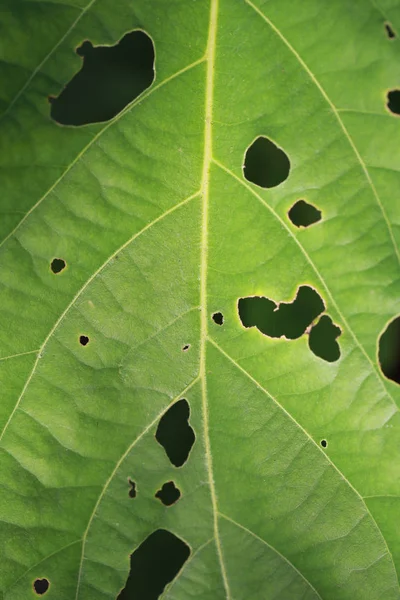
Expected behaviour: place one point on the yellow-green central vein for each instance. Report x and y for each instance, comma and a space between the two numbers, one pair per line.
205, 193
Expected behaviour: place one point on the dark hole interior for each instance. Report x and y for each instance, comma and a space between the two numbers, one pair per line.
110, 78
322, 339
57, 265
186, 347
265, 164
393, 102
324, 443
303, 214
389, 31
154, 564
289, 319
168, 494
218, 318
83, 340
175, 434
41, 586
132, 491
389, 351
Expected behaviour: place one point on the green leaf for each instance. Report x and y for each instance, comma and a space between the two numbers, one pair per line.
159, 232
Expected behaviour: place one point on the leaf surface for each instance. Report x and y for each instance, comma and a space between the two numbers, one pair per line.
160, 230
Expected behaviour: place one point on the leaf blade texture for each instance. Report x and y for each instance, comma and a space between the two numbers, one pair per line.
159, 230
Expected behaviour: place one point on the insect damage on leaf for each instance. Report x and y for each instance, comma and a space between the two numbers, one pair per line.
393, 101
265, 164
175, 434
389, 350
218, 318
83, 340
289, 320
390, 31
132, 490
168, 494
153, 565
111, 77
57, 265
41, 586
304, 214
322, 339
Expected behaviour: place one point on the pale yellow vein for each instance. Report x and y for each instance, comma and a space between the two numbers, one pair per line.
205, 191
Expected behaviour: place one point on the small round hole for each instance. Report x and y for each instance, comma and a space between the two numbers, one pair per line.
218, 318
324, 443
186, 347
41, 586
83, 340
57, 265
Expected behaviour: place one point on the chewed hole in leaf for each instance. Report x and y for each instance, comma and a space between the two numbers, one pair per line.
324, 443
218, 318
175, 434
41, 586
168, 494
389, 351
285, 319
393, 101
265, 164
322, 339
57, 265
154, 564
186, 347
303, 214
110, 78
389, 31
83, 340
132, 490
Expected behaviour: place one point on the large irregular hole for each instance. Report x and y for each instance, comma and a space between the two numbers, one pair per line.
41, 586
393, 101
322, 339
154, 564
57, 265
110, 78
265, 164
285, 319
303, 214
389, 351
390, 31
175, 434
168, 494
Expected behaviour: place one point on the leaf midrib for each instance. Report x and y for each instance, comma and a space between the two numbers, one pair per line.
205, 193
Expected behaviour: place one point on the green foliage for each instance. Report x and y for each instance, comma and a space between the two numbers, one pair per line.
159, 229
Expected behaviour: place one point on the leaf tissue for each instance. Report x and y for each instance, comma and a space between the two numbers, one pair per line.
199, 296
